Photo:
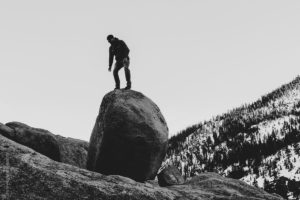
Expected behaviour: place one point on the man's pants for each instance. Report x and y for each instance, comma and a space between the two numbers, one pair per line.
119, 64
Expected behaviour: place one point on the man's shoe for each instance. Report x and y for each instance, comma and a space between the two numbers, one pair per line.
127, 87
117, 88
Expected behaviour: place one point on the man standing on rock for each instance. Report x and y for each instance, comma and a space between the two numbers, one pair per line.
120, 51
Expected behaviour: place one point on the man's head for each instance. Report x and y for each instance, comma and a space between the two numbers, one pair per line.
110, 38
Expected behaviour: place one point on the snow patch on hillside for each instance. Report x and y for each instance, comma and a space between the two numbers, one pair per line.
285, 163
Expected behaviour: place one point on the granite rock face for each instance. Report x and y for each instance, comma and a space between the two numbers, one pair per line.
40, 140
27, 174
61, 149
73, 151
129, 137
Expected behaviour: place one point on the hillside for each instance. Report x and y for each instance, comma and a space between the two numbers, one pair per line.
258, 143
127, 146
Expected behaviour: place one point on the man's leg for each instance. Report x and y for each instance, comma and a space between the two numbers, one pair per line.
127, 72
118, 66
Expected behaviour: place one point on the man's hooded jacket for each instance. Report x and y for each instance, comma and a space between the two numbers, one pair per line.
119, 49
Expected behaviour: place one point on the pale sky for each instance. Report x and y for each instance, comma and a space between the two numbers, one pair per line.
195, 59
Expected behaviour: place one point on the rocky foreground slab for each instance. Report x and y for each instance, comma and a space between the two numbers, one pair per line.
27, 174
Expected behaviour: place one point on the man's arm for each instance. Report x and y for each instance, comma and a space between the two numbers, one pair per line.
111, 58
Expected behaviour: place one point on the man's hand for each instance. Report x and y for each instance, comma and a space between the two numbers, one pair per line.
109, 69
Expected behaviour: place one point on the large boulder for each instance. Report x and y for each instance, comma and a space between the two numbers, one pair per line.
129, 137
26, 174
67, 150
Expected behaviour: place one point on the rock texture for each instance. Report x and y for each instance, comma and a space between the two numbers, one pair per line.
170, 176
26, 174
129, 137
58, 148
40, 140
73, 151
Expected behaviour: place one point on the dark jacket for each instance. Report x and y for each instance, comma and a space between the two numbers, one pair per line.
118, 49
